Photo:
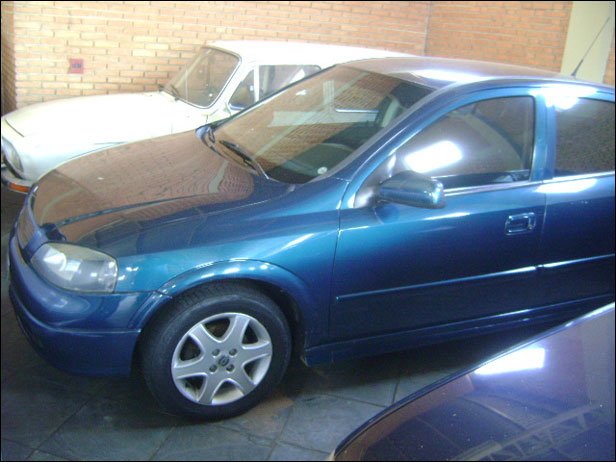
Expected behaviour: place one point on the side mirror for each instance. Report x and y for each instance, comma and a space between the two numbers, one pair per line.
413, 189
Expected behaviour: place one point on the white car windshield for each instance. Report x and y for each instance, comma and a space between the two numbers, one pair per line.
202, 80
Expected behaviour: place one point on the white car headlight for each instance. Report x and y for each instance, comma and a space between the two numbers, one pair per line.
11, 155
76, 268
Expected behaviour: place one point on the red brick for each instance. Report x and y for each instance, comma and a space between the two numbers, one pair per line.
527, 31
130, 45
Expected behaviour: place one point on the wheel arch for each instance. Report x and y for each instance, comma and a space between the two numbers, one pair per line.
284, 288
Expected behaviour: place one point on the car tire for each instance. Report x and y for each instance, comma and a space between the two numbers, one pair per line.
216, 352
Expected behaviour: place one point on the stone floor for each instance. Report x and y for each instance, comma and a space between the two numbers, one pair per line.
49, 415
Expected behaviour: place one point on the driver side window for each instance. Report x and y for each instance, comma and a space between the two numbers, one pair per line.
273, 78
244, 95
488, 142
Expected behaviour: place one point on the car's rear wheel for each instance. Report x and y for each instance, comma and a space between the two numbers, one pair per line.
216, 352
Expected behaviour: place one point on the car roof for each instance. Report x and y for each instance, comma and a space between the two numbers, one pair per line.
441, 72
278, 52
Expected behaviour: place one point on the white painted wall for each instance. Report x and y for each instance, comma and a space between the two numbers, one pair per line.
587, 18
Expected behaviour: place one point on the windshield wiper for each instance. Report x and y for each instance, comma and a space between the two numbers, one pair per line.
249, 161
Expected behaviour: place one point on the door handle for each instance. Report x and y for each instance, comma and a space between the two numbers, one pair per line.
521, 223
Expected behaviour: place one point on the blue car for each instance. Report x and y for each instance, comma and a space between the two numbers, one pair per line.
551, 398
372, 207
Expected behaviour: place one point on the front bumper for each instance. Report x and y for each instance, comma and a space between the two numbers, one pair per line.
62, 325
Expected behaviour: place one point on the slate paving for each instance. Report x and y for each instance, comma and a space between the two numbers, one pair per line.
50, 415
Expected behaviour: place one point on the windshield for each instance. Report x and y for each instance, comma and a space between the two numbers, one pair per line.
310, 128
202, 80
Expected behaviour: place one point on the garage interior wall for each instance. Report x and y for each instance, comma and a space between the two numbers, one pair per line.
134, 46
525, 33
591, 30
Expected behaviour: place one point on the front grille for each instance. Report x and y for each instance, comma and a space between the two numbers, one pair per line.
25, 227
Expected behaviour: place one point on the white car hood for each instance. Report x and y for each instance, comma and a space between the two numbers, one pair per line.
98, 119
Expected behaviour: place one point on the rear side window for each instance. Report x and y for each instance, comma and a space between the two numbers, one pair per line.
584, 138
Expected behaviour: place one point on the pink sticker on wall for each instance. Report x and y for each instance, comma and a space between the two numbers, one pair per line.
75, 66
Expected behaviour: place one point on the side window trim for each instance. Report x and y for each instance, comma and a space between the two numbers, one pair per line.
539, 152
582, 176
257, 82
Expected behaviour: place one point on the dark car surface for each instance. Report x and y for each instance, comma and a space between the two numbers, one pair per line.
549, 399
374, 206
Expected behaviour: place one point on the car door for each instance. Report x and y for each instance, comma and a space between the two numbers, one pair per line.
578, 247
399, 267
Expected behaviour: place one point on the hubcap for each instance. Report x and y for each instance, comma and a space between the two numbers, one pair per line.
221, 359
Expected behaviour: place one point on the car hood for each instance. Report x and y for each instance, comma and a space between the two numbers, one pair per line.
147, 183
98, 119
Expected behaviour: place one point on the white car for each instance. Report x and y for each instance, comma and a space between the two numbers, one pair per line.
222, 79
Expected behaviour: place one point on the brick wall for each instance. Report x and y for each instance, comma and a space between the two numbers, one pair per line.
133, 46
525, 32
609, 69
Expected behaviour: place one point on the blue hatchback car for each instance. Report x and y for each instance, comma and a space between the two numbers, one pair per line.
374, 206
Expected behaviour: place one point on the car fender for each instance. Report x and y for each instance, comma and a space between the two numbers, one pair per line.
312, 317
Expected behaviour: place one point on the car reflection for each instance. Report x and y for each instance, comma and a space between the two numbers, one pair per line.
552, 399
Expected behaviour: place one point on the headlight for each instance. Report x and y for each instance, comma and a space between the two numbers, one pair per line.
76, 268
11, 155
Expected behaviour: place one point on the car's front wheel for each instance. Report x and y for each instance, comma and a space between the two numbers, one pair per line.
216, 352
